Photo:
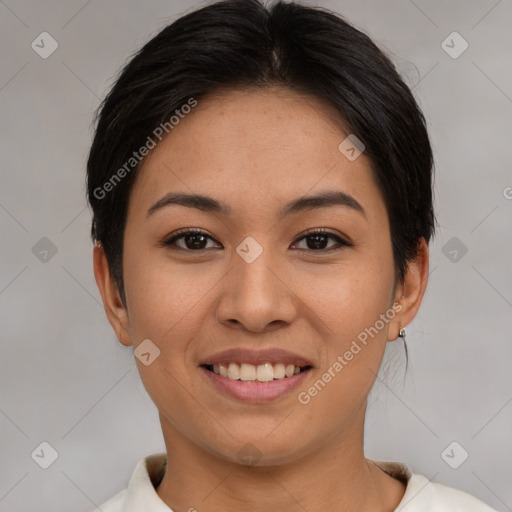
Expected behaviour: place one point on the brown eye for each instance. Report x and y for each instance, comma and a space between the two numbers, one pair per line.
195, 240
318, 241
191, 240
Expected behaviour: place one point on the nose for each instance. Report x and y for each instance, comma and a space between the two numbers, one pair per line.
257, 296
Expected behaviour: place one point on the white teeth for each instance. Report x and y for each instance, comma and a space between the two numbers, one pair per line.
279, 371
250, 373
233, 371
247, 371
265, 372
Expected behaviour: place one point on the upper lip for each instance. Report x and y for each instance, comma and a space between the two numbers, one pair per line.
255, 357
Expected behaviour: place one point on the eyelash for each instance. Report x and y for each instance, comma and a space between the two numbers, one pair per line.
181, 233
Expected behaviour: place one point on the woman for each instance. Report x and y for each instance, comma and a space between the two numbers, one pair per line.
261, 186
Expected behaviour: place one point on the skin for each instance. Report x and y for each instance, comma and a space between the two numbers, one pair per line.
255, 151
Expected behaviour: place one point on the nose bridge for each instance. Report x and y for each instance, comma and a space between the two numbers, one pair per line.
254, 295
253, 277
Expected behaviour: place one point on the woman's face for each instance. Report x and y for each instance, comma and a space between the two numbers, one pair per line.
253, 280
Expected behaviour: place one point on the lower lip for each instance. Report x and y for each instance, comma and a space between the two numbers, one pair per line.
256, 392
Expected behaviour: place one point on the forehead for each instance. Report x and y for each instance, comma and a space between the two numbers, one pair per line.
254, 148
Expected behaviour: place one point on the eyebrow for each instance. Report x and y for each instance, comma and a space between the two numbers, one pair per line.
209, 204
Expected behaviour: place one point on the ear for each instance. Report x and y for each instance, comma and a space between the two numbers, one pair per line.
114, 308
409, 294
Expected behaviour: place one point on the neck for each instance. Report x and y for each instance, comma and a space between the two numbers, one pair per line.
335, 476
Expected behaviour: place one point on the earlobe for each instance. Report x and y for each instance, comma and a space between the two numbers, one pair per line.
410, 293
114, 308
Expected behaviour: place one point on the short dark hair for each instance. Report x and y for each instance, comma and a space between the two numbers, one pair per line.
243, 44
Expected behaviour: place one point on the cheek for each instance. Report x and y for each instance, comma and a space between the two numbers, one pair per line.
355, 305
353, 352
351, 296
163, 307
163, 298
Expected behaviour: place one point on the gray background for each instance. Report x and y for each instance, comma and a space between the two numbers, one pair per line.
65, 379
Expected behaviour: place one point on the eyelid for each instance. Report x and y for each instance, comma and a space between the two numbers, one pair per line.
342, 241
168, 240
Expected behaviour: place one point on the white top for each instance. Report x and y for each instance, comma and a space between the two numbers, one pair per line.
420, 495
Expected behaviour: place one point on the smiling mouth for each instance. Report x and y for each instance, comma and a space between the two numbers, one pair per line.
266, 372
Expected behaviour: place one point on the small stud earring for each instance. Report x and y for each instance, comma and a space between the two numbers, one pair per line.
401, 334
